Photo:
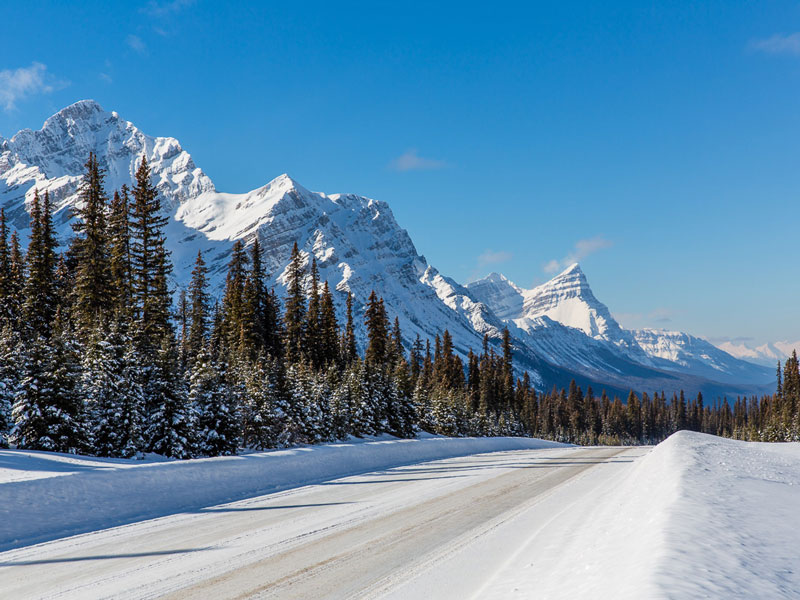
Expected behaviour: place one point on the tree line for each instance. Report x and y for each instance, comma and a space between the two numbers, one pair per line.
95, 359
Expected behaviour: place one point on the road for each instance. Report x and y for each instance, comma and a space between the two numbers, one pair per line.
373, 535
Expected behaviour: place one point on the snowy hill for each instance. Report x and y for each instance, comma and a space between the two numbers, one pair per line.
560, 329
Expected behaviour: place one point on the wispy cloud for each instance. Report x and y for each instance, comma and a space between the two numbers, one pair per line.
581, 249
780, 43
411, 161
165, 9
136, 44
18, 84
490, 257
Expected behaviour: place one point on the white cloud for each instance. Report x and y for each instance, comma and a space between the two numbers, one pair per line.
18, 84
780, 43
581, 249
491, 257
164, 9
411, 161
136, 43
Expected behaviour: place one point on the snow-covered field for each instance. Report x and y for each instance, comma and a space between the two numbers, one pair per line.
695, 517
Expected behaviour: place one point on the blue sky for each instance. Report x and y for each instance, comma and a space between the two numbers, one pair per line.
656, 142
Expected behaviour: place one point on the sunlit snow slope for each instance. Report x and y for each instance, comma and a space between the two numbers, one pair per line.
560, 329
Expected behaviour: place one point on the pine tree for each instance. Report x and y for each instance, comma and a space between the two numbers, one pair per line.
172, 421
114, 396
199, 309
119, 240
90, 251
313, 342
10, 372
349, 351
150, 266
218, 422
377, 331
6, 291
48, 412
40, 287
233, 299
329, 329
295, 308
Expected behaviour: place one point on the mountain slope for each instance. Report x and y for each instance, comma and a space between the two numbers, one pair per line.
568, 301
560, 330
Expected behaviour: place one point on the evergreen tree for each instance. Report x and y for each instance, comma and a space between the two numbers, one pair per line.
114, 396
218, 423
199, 308
150, 266
119, 240
90, 251
172, 421
40, 287
329, 329
377, 325
349, 351
295, 308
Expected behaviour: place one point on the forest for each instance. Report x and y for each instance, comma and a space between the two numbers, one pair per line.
96, 357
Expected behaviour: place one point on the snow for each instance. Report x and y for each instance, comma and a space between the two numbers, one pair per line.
359, 247
697, 517
767, 354
45, 495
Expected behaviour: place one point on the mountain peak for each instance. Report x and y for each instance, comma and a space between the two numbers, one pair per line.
571, 271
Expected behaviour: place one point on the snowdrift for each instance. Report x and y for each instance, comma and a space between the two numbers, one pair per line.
697, 517
45, 496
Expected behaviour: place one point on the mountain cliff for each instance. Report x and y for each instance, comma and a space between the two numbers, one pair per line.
560, 329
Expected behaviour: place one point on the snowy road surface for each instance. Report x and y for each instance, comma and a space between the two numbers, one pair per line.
442, 529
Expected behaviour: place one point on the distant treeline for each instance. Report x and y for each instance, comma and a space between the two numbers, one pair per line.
94, 357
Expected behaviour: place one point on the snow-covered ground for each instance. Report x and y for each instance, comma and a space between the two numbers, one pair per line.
45, 495
695, 517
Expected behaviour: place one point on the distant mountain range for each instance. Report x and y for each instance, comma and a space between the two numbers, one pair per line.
560, 330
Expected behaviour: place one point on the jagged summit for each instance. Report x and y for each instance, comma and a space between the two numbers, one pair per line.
356, 241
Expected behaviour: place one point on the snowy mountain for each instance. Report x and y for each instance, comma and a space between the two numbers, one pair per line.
767, 354
560, 329
568, 301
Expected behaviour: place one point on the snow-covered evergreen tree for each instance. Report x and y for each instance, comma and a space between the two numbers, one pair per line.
171, 419
48, 411
114, 396
10, 377
218, 419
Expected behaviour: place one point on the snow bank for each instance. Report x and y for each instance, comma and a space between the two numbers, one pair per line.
733, 530
697, 517
44, 496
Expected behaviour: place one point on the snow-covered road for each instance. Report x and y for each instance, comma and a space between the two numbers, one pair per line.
442, 529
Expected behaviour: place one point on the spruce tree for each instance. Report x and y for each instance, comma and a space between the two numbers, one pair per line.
199, 309
90, 251
313, 343
40, 287
349, 351
119, 240
114, 395
295, 308
218, 421
150, 266
171, 419
377, 325
329, 328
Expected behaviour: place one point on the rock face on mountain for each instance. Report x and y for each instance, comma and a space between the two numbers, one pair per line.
560, 329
